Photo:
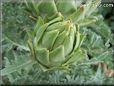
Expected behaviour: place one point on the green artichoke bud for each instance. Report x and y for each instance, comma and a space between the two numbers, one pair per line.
71, 9
55, 43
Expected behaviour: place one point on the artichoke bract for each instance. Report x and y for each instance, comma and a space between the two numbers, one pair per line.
56, 43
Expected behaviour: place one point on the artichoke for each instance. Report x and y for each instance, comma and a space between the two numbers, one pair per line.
71, 9
56, 43
57, 38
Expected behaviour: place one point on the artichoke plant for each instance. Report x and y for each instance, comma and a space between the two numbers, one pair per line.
57, 38
52, 35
